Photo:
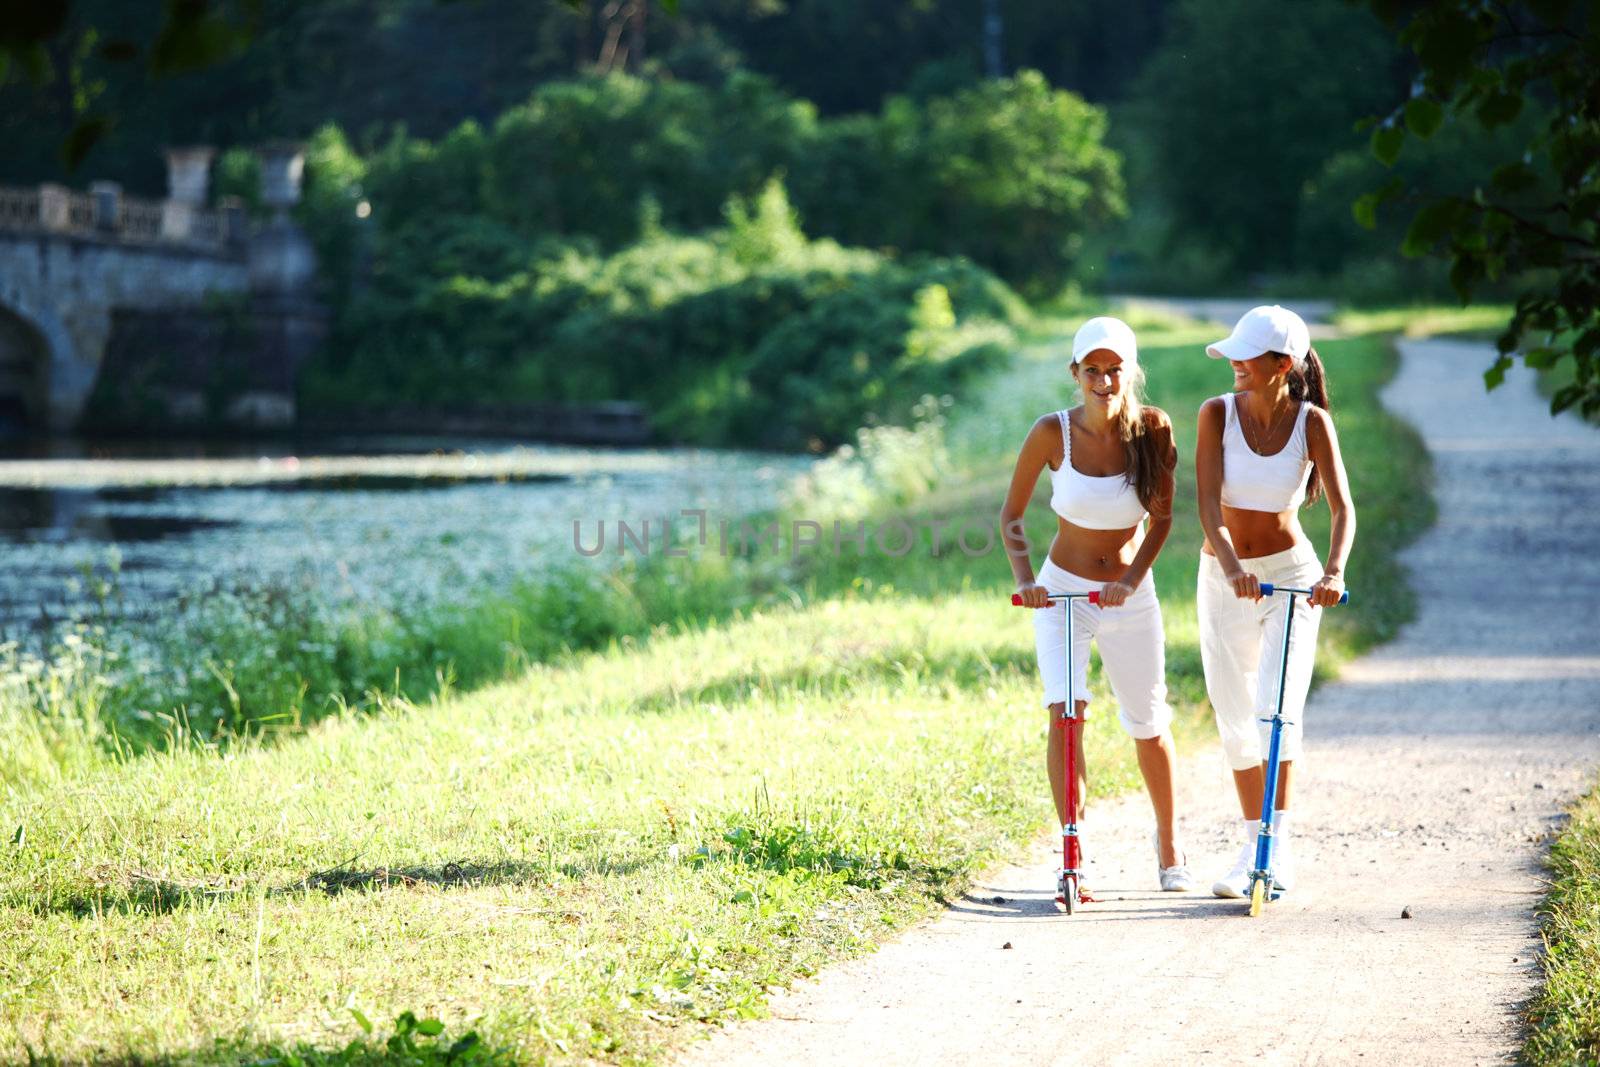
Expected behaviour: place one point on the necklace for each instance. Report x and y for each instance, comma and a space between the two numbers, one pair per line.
1271, 434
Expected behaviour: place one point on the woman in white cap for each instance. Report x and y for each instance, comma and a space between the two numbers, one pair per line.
1263, 451
1111, 461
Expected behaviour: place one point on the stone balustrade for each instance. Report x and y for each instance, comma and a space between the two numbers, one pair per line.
106, 214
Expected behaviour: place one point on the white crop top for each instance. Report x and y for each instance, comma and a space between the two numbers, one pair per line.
1090, 501
1255, 482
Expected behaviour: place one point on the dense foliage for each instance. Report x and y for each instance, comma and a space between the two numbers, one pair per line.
498, 125
1239, 109
749, 333
1009, 172
624, 238
1530, 209
1235, 118
282, 68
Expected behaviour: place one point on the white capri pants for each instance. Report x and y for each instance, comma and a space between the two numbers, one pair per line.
1241, 649
1132, 649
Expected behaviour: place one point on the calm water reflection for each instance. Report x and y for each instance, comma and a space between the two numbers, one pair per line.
410, 522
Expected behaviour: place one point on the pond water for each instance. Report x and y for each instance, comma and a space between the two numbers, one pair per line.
392, 520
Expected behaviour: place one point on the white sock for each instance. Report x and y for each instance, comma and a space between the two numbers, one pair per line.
1252, 828
1280, 822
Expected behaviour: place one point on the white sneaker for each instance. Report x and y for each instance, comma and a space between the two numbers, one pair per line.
1236, 883
1177, 879
1174, 879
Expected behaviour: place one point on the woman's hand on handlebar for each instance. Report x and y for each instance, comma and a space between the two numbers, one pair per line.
1327, 591
1246, 586
1033, 595
1115, 593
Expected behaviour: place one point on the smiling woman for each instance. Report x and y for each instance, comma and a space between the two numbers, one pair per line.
1264, 450
1111, 464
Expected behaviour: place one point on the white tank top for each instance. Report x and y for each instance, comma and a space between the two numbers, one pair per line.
1254, 482
1090, 501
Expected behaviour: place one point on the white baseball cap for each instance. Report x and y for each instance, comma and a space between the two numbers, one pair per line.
1264, 329
1106, 332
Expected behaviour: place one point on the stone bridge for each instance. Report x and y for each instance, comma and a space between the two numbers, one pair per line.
73, 265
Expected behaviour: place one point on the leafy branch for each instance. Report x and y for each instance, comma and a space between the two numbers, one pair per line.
41, 41
1533, 220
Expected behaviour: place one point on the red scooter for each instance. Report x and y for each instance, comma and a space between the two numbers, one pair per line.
1069, 885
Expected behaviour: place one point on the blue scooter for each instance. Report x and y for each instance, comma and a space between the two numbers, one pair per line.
1261, 875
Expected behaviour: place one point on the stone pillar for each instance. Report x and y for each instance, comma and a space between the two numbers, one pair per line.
282, 262
55, 206
289, 323
235, 221
188, 181
189, 174
282, 166
107, 198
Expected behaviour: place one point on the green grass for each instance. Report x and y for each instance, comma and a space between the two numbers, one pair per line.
1564, 1020
589, 859
268, 662
1417, 321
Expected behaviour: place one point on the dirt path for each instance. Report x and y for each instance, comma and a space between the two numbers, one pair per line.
1435, 770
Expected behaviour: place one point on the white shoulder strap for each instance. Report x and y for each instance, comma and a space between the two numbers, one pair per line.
1300, 425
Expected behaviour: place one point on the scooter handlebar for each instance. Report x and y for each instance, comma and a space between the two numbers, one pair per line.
1267, 589
1092, 597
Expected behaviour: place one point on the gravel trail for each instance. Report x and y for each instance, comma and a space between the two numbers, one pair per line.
1436, 769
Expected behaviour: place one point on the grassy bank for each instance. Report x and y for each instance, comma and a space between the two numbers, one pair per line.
263, 662
1564, 1020
583, 861
1484, 321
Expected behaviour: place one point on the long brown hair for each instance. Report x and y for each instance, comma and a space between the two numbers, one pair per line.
1146, 461
1308, 382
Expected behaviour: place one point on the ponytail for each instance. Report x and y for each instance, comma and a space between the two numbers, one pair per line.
1307, 382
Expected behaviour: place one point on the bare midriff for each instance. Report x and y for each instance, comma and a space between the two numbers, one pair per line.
1099, 555
1259, 533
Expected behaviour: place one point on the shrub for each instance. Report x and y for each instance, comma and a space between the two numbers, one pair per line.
1008, 172
751, 334
580, 156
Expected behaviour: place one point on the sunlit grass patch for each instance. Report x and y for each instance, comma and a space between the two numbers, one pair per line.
584, 861
1564, 1019
1416, 321
614, 844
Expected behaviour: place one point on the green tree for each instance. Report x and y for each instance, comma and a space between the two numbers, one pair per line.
1010, 172
1328, 234
1243, 102
1018, 173
580, 156
69, 69
1532, 210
